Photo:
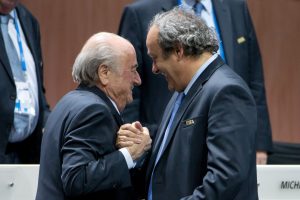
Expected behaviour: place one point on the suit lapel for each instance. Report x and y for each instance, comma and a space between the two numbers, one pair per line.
4, 58
192, 93
27, 28
223, 17
103, 96
195, 89
161, 129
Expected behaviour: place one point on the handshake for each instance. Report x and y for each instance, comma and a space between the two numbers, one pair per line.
135, 138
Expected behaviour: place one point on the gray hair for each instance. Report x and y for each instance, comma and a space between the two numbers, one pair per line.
95, 52
181, 28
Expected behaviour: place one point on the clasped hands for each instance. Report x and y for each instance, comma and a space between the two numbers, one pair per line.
135, 138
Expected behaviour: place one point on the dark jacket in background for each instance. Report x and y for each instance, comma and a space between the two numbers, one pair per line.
28, 151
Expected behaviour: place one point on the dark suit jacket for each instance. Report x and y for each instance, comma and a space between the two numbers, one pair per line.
210, 150
29, 149
245, 59
78, 158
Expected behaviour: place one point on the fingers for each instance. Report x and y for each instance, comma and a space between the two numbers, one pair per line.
122, 144
138, 125
129, 134
148, 146
130, 127
135, 139
146, 131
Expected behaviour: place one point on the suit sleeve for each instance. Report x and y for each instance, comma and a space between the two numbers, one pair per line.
230, 142
264, 133
40, 67
45, 105
90, 162
130, 28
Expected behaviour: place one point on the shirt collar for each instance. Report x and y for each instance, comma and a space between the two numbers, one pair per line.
206, 4
114, 104
199, 72
9, 15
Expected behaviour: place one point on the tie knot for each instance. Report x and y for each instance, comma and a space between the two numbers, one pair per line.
198, 7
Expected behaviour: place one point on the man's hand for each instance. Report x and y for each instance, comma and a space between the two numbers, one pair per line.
135, 138
261, 157
129, 135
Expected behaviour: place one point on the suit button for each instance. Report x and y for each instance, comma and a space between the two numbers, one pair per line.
13, 97
115, 186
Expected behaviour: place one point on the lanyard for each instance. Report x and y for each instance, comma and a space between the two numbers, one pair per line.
221, 48
22, 57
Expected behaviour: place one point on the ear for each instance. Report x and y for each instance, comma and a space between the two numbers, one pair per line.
179, 52
103, 74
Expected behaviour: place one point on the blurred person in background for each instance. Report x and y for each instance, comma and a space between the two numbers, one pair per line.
23, 106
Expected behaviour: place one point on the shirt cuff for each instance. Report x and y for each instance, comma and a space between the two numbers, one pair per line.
127, 156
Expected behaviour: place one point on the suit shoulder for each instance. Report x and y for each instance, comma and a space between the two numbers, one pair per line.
226, 77
24, 12
82, 100
144, 6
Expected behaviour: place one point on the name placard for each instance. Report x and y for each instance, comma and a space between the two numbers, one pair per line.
280, 182
18, 182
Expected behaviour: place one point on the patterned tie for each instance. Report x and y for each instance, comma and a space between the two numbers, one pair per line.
177, 103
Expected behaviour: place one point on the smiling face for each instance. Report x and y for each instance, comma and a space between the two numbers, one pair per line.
123, 79
167, 66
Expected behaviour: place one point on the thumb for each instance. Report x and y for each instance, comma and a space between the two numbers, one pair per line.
138, 125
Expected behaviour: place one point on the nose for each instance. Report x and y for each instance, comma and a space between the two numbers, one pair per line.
137, 79
155, 70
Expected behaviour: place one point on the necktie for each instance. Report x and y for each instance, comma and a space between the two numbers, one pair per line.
11, 51
177, 103
198, 7
174, 111
22, 121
